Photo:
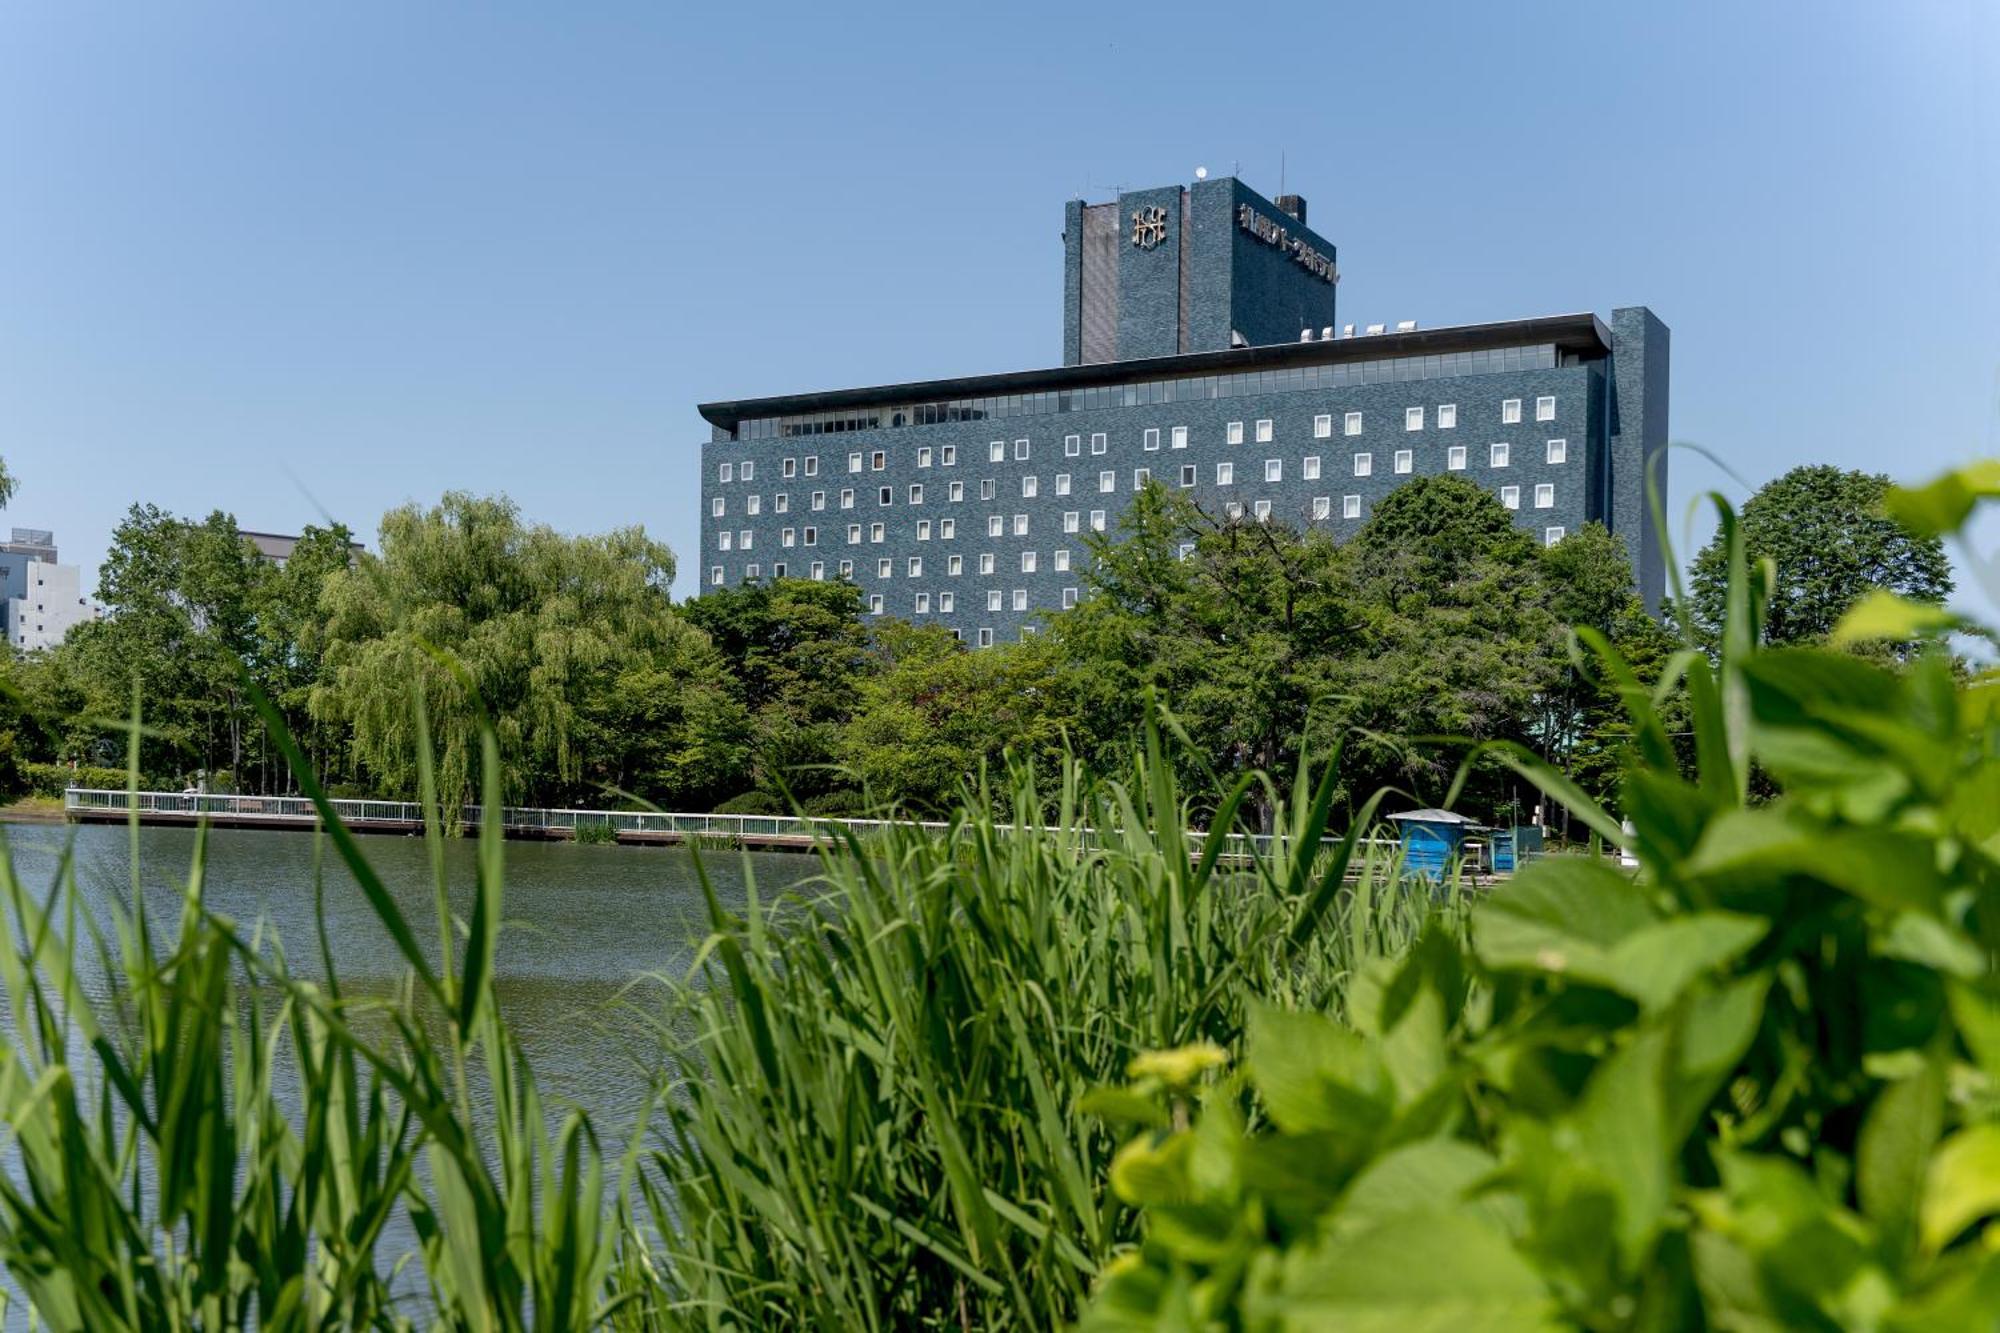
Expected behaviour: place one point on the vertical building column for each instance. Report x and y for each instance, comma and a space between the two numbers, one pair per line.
1073, 283
1640, 346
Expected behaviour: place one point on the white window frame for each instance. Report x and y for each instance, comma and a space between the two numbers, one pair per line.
1510, 497
1545, 495
1322, 506
1323, 426
1107, 482
1233, 435
1558, 451
1062, 483
1350, 506
1264, 430
1447, 417
1545, 407
1150, 440
1099, 442
1510, 412
1029, 484
1072, 446
1551, 535
1405, 462
1413, 418
1179, 439
1225, 473
1351, 424
1274, 469
996, 452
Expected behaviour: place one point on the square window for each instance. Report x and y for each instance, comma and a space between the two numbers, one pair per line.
1510, 496
752, 570
986, 635
1274, 469
916, 566
1062, 483
1021, 449
874, 603
1098, 442
812, 465
789, 468
717, 506
1020, 599
1020, 525
1234, 434
1263, 510
1072, 445
876, 532
819, 499
1071, 520
1322, 506
723, 540
782, 502
1180, 437
1187, 474
743, 540
887, 495
778, 570
1497, 455
1233, 510
1510, 412
948, 456
885, 568
1413, 418
715, 575
1545, 496
986, 488
847, 569
1309, 467
992, 600
1558, 451
1350, 506
986, 562
819, 571
1069, 598
924, 530
957, 492
1027, 562
947, 529
1225, 474
1550, 536
878, 460
1447, 416
1364, 464
1323, 427
1264, 431
854, 534
847, 497
1405, 460
1545, 408
916, 493
995, 525
1140, 476
854, 462
754, 505
946, 600
1097, 520
1107, 481
1150, 441
924, 456
1454, 458
1186, 550
954, 564
923, 602
749, 469
1028, 487
996, 452
1352, 425
1062, 557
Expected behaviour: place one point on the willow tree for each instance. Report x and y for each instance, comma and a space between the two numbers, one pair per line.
468, 606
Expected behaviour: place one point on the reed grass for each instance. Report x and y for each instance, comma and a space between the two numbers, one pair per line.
869, 1094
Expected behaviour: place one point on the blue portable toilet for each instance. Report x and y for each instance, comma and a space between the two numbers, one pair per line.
1516, 846
1431, 839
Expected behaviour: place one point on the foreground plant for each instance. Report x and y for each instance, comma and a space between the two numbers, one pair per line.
1757, 1087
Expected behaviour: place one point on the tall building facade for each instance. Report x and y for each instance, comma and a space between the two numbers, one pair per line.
1201, 352
40, 598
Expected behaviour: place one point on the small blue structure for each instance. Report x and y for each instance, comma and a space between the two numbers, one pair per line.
1515, 847
1432, 840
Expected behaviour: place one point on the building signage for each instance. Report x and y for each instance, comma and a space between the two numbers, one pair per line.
1149, 227
1300, 251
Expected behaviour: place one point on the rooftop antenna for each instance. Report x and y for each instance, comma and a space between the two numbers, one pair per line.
1281, 171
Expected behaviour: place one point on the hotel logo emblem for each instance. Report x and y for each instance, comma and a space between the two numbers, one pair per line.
1149, 227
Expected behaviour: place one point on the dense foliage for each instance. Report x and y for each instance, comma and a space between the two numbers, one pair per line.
1758, 1087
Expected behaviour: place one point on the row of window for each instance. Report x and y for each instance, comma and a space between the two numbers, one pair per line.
1263, 432
1498, 455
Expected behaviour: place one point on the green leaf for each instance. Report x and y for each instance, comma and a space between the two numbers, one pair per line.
1416, 1178
1942, 506
1153, 1169
1656, 964
1314, 1074
1620, 1127
1424, 1272
1895, 1146
1559, 913
1963, 1184
1122, 1104
1881, 614
1751, 849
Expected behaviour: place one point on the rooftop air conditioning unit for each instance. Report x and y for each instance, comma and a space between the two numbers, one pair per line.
1406, 326
1374, 329
1326, 334
1347, 330
1305, 335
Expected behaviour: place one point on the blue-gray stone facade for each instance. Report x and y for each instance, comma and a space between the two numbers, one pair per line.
966, 503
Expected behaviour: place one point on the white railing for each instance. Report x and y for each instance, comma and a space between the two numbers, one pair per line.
299, 811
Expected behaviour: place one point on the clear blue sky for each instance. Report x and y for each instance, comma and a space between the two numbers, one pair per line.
291, 260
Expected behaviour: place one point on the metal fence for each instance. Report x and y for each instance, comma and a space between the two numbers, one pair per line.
297, 811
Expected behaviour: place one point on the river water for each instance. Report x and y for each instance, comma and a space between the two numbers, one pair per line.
584, 927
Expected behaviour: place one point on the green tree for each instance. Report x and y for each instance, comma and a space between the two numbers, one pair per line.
467, 598
936, 713
1826, 532
7, 484
796, 653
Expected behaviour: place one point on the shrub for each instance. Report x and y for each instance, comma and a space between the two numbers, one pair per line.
595, 832
1755, 1087
751, 803
50, 780
838, 804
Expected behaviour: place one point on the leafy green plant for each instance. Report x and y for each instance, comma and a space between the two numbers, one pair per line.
596, 832
1757, 1086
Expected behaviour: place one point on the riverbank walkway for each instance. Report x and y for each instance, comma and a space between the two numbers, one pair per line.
406, 818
